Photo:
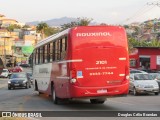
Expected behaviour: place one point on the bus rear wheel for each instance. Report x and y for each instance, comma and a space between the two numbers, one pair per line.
97, 101
55, 99
27, 85
36, 88
9, 88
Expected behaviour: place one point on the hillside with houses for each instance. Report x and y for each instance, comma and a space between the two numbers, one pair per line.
16, 39
145, 33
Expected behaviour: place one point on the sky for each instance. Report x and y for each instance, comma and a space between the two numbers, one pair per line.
101, 11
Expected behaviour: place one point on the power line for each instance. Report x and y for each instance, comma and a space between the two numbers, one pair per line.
143, 10
142, 13
139, 13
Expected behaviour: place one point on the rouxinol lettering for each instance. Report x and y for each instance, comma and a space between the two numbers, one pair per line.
96, 34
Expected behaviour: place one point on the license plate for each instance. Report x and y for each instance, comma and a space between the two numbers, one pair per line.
149, 90
16, 84
101, 91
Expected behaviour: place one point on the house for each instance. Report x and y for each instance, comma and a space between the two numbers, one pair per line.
147, 58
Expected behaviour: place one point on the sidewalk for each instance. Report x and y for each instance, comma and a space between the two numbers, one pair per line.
3, 83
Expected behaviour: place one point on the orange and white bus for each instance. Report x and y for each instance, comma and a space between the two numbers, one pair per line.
83, 62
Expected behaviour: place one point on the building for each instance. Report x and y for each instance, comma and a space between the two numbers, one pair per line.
5, 22
6, 47
20, 41
146, 58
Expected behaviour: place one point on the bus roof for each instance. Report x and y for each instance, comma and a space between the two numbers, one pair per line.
55, 36
52, 37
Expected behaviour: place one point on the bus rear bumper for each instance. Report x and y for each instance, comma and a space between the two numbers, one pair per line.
109, 91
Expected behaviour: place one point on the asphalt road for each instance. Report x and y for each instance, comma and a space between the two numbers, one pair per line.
30, 100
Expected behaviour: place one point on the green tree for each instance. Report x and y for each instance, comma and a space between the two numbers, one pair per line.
132, 43
78, 22
126, 26
84, 21
69, 25
51, 30
11, 28
154, 43
136, 29
26, 26
42, 27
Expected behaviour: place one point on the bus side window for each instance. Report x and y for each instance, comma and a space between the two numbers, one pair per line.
66, 43
36, 56
54, 50
60, 49
45, 54
57, 50
50, 51
63, 48
41, 55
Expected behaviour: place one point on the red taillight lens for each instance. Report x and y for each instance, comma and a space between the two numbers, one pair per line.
73, 77
73, 73
126, 74
127, 70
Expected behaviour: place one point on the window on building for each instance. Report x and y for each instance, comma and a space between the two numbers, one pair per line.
132, 63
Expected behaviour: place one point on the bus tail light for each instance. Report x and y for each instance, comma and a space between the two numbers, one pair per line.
127, 77
73, 75
73, 80
126, 74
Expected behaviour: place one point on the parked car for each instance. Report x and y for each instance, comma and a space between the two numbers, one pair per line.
136, 71
24, 65
19, 80
29, 74
156, 76
143, 83
149, 71
16, 69
5, 73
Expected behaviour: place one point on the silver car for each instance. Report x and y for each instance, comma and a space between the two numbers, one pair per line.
156, 76
132, 70
143, 83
